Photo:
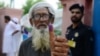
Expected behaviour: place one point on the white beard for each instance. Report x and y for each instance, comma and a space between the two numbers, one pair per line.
40, 41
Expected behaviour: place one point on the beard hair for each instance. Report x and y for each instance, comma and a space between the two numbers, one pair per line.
76, 20
40, 39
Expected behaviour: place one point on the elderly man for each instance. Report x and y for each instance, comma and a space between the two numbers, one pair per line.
43, 41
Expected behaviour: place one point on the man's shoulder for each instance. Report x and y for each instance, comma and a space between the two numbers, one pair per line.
87, 27
11, 23
24, 48
70, 26
88, 30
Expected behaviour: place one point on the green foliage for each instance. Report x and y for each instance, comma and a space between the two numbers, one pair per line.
59, 5
28, 5
28, 29
57, 32
2, 4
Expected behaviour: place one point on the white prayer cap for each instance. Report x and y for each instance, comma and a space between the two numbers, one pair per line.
41, 5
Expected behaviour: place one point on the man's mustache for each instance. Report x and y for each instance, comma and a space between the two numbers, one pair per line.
42, 25
73, 17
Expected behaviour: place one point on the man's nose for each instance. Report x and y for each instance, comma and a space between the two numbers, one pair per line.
42, 19
74, 14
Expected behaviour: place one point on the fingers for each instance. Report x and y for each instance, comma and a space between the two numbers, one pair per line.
61, 39
61, 42
59, 46
59, 54
61, 49
51, 33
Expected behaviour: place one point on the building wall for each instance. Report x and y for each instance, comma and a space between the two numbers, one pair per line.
12, 13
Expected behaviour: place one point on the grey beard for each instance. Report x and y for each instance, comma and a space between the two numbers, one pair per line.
40, 39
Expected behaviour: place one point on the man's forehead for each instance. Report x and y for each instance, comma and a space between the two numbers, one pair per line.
41, 10
76, 10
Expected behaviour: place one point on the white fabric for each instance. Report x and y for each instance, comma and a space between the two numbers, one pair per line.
58, 20
39, 5
8, 39
25, 21
17, 39
15, 19
11, 54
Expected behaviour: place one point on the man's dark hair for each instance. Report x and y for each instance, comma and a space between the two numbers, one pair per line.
7, 18
77, 6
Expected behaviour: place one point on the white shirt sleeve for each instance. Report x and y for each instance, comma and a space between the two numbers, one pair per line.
16, 26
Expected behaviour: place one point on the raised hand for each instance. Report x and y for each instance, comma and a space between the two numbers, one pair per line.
59, 46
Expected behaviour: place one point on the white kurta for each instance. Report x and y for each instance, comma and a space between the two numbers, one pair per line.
8, 39
17, 39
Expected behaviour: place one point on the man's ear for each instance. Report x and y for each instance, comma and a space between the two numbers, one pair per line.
31, 21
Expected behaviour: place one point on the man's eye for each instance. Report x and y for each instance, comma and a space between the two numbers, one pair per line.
37, 15
78, 12
45, 15
72, 12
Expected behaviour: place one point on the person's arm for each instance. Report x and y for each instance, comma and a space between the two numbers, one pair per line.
15, 32
16, 27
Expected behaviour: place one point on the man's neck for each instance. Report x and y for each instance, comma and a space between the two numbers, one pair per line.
7, 22
74, 25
